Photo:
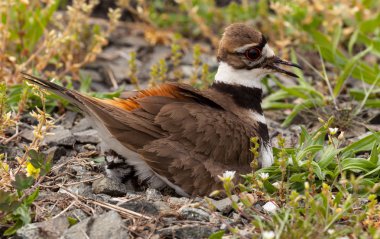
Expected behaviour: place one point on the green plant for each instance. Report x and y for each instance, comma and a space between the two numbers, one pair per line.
320, 188
132, 74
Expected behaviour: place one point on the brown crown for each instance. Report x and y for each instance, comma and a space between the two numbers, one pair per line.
237, 35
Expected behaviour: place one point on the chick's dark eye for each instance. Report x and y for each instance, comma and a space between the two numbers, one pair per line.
252, 54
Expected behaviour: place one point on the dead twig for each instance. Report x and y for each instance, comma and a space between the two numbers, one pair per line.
124, 212
84, 181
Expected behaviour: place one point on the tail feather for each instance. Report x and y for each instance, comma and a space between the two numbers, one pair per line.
70, 95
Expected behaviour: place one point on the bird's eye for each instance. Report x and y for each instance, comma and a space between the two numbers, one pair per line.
252, 54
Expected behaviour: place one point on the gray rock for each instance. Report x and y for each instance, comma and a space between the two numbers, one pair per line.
77, 213
187, 70
109, 186
194, 214
49, 229
115, 60
130, 40
27, 134
187, 231
159, 52
80, 189
153, 195
86, 148
59, 136
108, 225
115, 52
68, 119
162, 207
178, 202
82, 125
88, 136
94, 75
58, 152
224, 205
141, 206
78, 170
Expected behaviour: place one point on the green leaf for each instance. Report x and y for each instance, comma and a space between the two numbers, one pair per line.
352, 41
23, 214
72, 221
22, 182
336, 37
357, 165
13, 229
328, 156
30, 199
317, 170
33, 154
269, 187
364, 144
217, 235
36, 158
297, 178
348, 70
308, 151
100, 159
8, 201
374, 158
307, 104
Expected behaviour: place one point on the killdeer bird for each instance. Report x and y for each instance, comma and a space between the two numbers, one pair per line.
182, 137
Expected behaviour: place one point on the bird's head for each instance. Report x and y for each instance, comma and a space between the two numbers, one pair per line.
243, 48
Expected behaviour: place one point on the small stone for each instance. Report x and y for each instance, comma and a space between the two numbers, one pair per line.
82, 125
53, 228
87, 148
59, 136
58, 152
194, 214
88, 136
153, 195
107, 225
270, 207
178, 202
141, 206
162, 206
27, 134
80, 189
186, 232
77, 213
94, 75
130, 40
109, 187
68, 119
79, 170
224, 205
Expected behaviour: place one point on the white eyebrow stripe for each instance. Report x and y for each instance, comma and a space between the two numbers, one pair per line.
245, 47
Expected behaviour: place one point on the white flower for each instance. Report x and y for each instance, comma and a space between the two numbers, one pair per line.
333, 131
228, 175
276, 185
331, 231
264, 176
268, 234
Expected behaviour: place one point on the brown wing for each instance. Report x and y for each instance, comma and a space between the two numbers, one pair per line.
202, 143
182, 133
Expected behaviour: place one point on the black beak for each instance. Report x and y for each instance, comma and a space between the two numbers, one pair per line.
278, 61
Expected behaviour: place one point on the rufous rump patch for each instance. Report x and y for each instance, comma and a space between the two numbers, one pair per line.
130, 104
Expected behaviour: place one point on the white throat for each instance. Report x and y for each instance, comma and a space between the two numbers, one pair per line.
249, 78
